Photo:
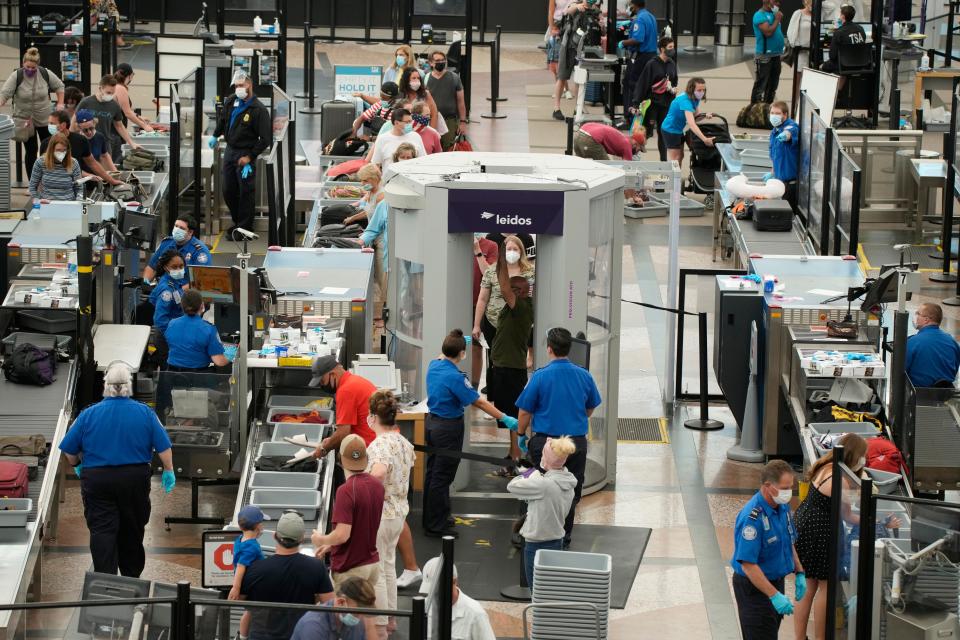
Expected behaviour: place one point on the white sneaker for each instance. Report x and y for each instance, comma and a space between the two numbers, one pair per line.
408, 578
567, 95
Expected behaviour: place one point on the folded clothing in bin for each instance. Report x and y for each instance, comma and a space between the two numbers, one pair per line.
310, 417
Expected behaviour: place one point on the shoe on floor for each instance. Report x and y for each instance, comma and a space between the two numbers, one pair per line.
558, 115
430, 533
567, 95
409, 578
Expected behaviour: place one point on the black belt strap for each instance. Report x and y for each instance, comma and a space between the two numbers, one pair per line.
463, 455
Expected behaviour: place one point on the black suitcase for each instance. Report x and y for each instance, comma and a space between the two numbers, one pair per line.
772, 215
336, 116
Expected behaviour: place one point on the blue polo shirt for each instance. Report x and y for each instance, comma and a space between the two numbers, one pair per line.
192, 342
165, 299
785, 155
448, 390
246, 552
643, 29
323, 625
559, 396
114, 432
932, 355
676, 119
764, 535
771, 45
192, 251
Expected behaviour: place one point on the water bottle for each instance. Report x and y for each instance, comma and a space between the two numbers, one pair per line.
276, 25
257, 24
924, 62
667, 32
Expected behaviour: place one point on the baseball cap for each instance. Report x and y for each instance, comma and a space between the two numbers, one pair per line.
321, 367
353, 453
250, 516
431, 573
84, 115
290, 526
390, 89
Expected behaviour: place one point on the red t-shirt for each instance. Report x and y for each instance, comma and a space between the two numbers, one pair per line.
490, 252
610, 139
353, 404
359, 503
431, 140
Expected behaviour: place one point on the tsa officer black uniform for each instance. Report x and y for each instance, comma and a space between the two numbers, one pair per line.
448, 393
184, 239
111, 446
245, 123
764, 554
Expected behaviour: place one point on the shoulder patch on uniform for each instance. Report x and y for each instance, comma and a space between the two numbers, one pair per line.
749, 533
466, 383
202, 258
755, 513
166, 296
186, 256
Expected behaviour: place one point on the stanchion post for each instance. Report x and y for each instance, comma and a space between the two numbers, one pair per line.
703, 423
418, 621
695, 48
309, 43
307, 53
182, 612
494, 70
445, 615
569, 149
20, 184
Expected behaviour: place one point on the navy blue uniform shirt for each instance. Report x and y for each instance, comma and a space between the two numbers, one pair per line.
932, 355
114, 432
448, 390
165, 299
192, 251
192, 342
558, 396
764, 535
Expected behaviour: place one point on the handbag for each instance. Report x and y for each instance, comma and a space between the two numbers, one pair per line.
789, 56
23, 129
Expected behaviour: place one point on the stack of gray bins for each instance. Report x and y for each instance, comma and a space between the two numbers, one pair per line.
6, 132
571, 577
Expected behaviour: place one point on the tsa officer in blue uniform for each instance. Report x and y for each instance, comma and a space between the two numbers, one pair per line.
784, 150
166, 296
933, 355
449, 392
764, 553
559, 400
193, 342
111, 445
183, 239
640, 47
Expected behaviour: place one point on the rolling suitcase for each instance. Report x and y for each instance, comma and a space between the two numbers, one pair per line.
336, 116
594, 93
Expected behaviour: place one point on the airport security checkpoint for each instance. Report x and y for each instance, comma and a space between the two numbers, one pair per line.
411, 319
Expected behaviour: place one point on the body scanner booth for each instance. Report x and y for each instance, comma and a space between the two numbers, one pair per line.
574, 209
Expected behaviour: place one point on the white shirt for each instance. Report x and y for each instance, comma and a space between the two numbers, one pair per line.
470, 621
798, 33
387, 144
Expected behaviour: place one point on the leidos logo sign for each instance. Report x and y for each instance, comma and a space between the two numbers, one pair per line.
504, 211
514, 219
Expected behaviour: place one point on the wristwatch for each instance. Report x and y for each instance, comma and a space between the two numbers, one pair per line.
479, 254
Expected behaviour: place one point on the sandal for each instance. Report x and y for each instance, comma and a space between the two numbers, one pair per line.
508, 470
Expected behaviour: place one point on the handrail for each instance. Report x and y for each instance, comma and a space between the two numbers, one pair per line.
69, 604
252, 604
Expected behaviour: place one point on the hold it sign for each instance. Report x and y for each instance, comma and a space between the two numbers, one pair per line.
504, 211
217, 562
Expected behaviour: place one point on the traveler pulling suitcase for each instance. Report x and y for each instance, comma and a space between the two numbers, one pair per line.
336, 116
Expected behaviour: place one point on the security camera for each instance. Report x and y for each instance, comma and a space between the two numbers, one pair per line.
249, 235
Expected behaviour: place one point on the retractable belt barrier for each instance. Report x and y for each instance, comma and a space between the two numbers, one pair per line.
463, 455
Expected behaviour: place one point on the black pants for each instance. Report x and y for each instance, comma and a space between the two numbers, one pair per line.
239, 193
576, 464
656, 114
758, 619
768, 78
630, 76
790, 194
32, 146
441, 470
504, 386
116, 505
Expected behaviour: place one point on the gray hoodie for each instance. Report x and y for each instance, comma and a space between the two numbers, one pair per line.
548, 497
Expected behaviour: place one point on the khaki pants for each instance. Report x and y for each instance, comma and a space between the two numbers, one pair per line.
586, 147
369, 572
386, 586
447, 139
379, 277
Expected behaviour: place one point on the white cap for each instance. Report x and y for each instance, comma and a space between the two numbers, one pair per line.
431, 573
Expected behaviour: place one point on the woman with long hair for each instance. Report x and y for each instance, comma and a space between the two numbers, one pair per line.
55, 175
412, 89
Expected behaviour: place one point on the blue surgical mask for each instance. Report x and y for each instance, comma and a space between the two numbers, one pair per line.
179, 234
839, 23
401, 60
52, 128
408, 128
366, 186
776, 119
349, 620
177, 274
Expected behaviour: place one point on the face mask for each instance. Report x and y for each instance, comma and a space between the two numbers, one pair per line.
29, 72
408, 128
440, 66
783, 496
106, 97
349, 620
839, 23
421, 119
52, 128
513, 257
366, 187
401, 60
59, 155
861, 463
242, 93
776, 119
699, 94
415, 85
177, 274
179, 234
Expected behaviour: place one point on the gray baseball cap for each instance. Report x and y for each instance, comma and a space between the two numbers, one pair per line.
290, 526
321, 367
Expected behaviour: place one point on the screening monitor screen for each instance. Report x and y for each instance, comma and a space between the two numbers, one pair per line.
141, 225
580, 353
213, 283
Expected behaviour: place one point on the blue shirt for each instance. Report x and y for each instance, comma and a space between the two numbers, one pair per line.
99, 146
676, 118
192, 342
114, 432
192, 251
239, 106
771, 45
785, 155
246, 552
932, 355
322, 625
765, 536
376, 227
643, 29
165, 299
448, 390
559, 396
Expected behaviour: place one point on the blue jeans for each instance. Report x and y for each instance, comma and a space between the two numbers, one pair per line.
530, 553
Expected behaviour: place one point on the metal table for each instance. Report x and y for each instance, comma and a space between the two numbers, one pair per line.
927, 174
125, 342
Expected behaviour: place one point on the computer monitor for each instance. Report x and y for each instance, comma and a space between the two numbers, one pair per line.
880, 291
930, 524
213, 283
580, 352
145, 225
102, 586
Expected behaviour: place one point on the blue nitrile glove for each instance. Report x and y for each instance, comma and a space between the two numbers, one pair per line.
510, 422
784, 136
800, 585
168, 480
753, 277
246, 171
522, 443
850, 605
781, 604
468, 340
212, 142
767, 176
78, 469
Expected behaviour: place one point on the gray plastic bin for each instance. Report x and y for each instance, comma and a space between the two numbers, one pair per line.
277, 449
15, 511
298, 402
865, 429
884, 481
325, 413
313, 432
284, 480
273, 502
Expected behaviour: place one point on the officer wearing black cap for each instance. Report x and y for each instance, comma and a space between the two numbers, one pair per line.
245, 124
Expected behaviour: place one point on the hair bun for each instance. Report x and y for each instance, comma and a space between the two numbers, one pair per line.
458, 333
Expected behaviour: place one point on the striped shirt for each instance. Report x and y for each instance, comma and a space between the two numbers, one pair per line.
56, 183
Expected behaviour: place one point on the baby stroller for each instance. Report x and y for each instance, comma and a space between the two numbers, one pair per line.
706, 160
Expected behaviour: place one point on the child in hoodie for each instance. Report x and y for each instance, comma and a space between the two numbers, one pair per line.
548, 492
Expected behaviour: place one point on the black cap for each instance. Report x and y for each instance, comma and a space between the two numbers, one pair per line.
390, 89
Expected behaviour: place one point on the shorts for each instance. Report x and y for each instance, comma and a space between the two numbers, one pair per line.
672, 140
504, 386
586, 147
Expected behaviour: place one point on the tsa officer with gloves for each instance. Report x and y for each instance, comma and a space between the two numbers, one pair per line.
449, 392
111, 446
764, 553
184, 239
640, 47
193, 342
784, 150
245, 124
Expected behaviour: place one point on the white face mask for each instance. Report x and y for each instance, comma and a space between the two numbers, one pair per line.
59, 155
415, 85
53, 129
242, 93
106, 97
783, 496
513, 257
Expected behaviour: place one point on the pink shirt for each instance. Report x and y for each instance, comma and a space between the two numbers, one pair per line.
431, 140
610, 139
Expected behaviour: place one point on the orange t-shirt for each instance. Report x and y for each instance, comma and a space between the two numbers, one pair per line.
353, 404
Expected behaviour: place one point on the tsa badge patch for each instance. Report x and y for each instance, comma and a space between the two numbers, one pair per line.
166, 296
749, 533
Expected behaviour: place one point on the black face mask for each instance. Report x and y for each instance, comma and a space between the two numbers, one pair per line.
439, 66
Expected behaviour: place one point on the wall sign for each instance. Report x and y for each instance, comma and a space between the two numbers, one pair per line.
347, 79
489, 211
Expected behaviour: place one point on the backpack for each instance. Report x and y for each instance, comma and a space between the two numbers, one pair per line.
43, 74
30, 365
13, 480
346, 145
883, 455
140, 160
755, 115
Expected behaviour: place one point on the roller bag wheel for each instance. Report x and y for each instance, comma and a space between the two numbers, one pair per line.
336, 116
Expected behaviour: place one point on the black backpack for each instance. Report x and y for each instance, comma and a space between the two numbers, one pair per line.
346, 145
29, 364
43, 74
